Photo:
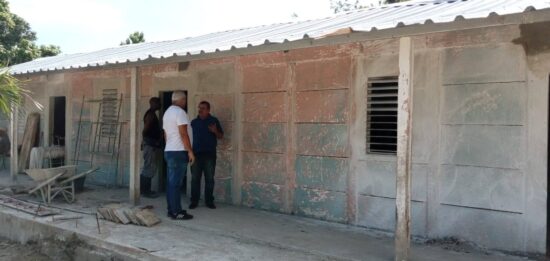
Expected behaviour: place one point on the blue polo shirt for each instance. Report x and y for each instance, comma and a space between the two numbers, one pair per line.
203, 139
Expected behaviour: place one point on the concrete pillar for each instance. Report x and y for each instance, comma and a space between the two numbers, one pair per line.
14, 156
134, 132
404, 152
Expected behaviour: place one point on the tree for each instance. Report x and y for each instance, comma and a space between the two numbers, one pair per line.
134, 38
49, 50
339, 6
344, 5
10, 92
17, 40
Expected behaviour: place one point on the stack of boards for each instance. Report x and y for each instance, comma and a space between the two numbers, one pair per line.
128, 215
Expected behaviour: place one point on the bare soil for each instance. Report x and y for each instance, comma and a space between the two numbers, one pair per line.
45, 250
14, 251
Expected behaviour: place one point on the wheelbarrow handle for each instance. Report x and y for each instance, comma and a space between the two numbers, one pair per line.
48, 181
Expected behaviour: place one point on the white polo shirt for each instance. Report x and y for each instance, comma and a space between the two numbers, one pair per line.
173, 117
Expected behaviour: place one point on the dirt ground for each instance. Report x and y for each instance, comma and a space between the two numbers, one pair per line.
14, 251
46, 250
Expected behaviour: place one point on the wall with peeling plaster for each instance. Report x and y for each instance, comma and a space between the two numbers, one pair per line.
295, 125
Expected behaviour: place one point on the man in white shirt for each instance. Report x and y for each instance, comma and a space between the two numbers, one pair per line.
177, 153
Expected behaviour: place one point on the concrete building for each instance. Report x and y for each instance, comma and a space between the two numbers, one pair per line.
309, 111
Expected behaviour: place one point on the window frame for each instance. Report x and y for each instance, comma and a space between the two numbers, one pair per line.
381, 103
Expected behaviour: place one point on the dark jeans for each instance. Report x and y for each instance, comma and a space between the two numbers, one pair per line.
205, 162
176, 164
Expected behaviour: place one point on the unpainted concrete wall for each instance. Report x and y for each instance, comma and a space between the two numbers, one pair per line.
295, 125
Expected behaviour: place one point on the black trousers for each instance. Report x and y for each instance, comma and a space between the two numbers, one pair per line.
205, 163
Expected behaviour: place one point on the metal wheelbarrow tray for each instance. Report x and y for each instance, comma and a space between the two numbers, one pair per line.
56, 181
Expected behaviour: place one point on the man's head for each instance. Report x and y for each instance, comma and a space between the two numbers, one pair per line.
179, 98
204, 109
154, 103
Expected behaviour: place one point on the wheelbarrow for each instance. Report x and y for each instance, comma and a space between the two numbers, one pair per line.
56, 181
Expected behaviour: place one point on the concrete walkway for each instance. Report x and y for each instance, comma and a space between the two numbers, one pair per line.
230, 233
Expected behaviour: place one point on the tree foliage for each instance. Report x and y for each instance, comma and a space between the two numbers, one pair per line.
344, 5
339, 6
134, 38
10, 92
17, 40
49, 50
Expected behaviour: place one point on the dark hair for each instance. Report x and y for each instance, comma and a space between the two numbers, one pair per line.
154, 99
205, 103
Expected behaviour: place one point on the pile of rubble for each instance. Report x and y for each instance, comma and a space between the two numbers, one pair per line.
122, 214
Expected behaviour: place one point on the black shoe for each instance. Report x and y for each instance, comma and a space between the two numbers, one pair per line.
210, 205
193, 205
150, 194
182, 215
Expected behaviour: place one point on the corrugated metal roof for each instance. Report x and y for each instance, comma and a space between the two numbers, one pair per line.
384, 17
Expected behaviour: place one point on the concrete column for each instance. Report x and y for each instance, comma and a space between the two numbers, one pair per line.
134, 150
291, 140
404, 152
236, 188
14, 156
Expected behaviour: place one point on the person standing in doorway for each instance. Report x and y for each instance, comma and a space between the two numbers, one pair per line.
177, 153
151, 147
206, 132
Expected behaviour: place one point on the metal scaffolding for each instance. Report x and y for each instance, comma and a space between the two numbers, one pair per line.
100, 137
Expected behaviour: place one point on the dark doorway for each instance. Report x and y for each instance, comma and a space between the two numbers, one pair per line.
57, 127
165, 102
58, 121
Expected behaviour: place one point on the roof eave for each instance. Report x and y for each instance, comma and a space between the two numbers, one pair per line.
428, 27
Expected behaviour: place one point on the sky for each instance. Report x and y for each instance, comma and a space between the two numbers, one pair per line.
87, 25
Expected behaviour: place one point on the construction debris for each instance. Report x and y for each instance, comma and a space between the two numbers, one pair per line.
6, 191
60, 218
147, 217
128, 215
29, 208
30, 138
13, 190
17, 189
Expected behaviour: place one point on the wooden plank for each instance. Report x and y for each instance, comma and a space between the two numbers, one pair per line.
27, 207
134, 150
29, 139
62, 218
14, 138
404, 152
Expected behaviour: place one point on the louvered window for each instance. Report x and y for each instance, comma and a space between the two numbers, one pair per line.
382, 115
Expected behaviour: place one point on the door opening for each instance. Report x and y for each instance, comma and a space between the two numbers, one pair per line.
58, 130
165, 102
57, 126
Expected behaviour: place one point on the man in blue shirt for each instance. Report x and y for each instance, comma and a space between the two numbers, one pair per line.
206, 132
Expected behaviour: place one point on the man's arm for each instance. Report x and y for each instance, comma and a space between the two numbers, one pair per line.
216, 128
187, 142
148, 121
